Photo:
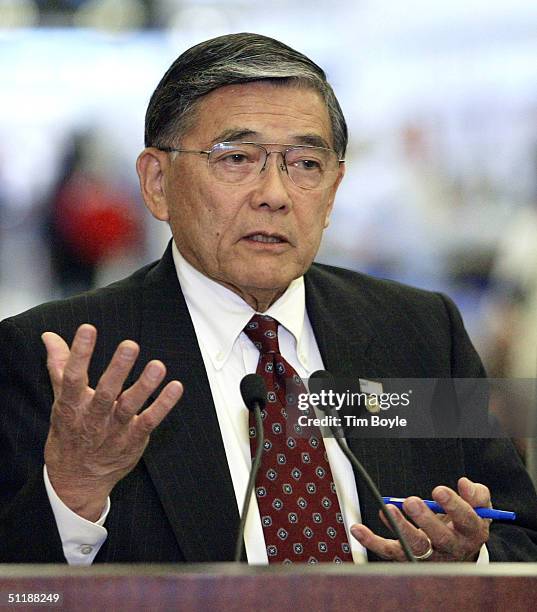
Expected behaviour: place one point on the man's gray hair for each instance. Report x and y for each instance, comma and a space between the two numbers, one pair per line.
227, 60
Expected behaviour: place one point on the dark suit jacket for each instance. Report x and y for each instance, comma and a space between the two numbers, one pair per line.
178, 503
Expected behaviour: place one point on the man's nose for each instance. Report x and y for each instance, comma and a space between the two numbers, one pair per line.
272, 183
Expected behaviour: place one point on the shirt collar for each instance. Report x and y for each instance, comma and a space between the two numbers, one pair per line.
218, 332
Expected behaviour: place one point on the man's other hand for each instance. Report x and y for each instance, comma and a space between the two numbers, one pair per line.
457, 535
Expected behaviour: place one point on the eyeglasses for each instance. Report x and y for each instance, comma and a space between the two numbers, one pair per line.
237, 163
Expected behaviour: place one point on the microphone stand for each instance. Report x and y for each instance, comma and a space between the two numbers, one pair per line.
239, 545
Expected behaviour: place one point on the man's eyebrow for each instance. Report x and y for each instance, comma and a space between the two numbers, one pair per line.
234, 135
312, 139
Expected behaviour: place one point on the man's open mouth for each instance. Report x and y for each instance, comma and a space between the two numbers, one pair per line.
268, 239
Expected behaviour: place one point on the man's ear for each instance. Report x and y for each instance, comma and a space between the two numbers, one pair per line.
151, 167
332, 195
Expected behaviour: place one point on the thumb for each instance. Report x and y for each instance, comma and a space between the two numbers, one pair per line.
476, 494
57, 356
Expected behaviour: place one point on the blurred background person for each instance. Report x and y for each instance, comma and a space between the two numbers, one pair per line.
93, 223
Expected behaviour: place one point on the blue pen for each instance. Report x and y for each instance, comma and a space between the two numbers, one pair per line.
488, 513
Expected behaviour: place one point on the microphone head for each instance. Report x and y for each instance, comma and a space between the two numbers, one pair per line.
321, 380
323, 374
253, 391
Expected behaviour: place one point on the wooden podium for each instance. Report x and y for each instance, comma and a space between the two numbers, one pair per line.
445, 587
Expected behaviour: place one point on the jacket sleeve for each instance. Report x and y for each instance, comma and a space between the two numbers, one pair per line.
28, 532
494, 462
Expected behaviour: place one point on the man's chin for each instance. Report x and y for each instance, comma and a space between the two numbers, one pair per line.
267, 281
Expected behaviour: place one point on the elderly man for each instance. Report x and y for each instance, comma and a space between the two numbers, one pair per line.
244, 154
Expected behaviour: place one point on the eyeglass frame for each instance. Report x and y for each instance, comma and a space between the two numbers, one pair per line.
267, 153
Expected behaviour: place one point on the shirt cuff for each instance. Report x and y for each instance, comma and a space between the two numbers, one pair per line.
483, 558
81, 539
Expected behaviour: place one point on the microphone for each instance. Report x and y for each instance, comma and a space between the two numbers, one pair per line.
324, 380
254, 395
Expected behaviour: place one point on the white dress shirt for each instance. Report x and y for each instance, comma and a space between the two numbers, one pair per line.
229, 355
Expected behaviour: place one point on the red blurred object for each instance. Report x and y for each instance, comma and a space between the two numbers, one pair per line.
96, 220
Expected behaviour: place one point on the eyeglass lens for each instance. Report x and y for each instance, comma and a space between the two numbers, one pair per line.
308, 167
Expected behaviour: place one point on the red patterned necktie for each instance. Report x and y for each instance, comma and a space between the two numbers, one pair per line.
295, 490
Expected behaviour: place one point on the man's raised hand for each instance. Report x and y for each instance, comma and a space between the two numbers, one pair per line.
96, 436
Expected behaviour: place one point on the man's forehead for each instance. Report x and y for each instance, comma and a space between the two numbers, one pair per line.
253, 111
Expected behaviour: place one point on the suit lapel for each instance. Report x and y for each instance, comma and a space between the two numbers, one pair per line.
185, 457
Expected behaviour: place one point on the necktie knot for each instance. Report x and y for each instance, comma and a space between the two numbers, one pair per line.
263, 332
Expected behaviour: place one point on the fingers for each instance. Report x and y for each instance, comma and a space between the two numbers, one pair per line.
111, 382
391, 549
440, 534
475, 493
460, 512
152, 417
461, 536
415, 538
456, 536
383, 548
133, 398
68, 369
96, 436
57, 356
